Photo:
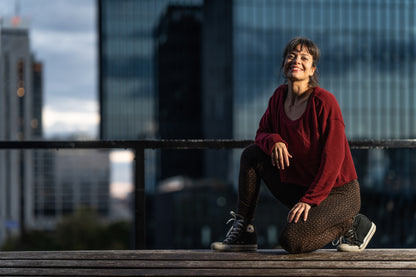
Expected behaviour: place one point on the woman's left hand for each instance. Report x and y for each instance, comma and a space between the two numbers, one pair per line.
297, 211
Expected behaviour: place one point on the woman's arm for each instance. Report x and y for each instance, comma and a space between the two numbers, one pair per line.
267, 134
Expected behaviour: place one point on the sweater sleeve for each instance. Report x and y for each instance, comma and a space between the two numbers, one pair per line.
332, 157
267, 135
331, 163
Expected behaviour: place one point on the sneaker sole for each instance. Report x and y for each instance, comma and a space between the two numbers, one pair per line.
348, 248
369, 236
219, 246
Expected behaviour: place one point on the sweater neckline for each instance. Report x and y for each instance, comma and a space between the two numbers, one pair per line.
285, 116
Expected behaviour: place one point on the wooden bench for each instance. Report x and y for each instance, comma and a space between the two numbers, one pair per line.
371, 262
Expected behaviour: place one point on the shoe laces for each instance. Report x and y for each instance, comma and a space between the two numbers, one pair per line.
235, 229
350, 238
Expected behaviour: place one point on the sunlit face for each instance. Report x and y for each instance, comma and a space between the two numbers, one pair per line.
298, 65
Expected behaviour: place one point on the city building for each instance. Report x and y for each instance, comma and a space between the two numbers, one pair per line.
38, 186
368, 61
139, 111
178, 88
17, 96
126, 85
73, 179
37, 88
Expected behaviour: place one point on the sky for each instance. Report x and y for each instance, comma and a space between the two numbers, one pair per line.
63, 36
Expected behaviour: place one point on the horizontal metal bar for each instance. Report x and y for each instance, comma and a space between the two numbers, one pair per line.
182, 144
147, 144
385, 144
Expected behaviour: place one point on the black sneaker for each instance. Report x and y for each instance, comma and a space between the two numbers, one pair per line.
240, 237
358, 236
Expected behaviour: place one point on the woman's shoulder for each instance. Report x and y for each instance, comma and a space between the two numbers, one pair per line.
279, 93
326, 104
325, 97
280, 90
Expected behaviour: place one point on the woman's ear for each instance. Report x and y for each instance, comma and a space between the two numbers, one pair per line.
313, 71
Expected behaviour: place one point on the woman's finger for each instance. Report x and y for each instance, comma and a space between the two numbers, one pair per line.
280, 159
297, 214
292, 213
274, 157
297, 211
306, 212
287, 156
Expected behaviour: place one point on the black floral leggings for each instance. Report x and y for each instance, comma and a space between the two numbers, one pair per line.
326, 222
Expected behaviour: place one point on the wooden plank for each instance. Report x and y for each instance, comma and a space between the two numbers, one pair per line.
324, 255
202, 272
204, 264
371, 262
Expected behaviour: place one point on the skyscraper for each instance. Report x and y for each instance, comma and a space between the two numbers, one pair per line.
37, 88
178, 87
16, 123
203, 93
127, 101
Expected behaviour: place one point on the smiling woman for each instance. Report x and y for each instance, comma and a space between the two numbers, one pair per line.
302, 154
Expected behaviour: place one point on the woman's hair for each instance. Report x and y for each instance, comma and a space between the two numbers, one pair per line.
312, 49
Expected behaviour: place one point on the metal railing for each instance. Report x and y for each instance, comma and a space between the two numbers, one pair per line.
139, 147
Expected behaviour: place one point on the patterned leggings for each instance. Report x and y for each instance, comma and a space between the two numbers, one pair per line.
326, 222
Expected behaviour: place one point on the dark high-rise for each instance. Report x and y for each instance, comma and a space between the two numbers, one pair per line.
179, 88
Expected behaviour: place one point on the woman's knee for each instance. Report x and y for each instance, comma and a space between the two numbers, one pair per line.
294, 242
250, 153
291, 244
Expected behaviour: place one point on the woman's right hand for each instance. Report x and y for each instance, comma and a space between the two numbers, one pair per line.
280, 155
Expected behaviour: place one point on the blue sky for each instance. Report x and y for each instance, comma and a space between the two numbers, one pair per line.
63, 37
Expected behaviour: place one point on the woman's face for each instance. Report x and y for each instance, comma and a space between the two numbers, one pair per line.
298, 65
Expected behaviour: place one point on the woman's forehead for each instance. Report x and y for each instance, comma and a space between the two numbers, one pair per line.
300, 48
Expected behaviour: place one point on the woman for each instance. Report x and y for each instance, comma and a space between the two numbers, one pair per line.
302, 154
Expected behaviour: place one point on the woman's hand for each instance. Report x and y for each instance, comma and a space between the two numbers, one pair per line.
296, 212
280, 155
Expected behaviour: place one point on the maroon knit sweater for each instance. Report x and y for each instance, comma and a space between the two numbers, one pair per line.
321, 154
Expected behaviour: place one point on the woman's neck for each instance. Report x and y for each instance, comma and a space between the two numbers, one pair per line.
298, 93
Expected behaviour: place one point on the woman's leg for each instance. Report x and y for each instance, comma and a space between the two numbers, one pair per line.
326, 222
254, 165
242, 235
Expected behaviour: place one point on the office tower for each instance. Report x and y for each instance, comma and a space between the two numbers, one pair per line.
217, 83
129, 111
127, 107
367, 60
128, 104
37, 88
72, 179
16, 108
178, 88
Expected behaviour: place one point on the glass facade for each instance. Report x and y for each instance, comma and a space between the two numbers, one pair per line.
368, 62
127, 98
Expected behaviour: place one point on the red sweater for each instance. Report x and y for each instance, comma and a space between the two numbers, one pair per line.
321, 154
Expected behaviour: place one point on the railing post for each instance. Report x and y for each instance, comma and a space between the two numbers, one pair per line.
139, 200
